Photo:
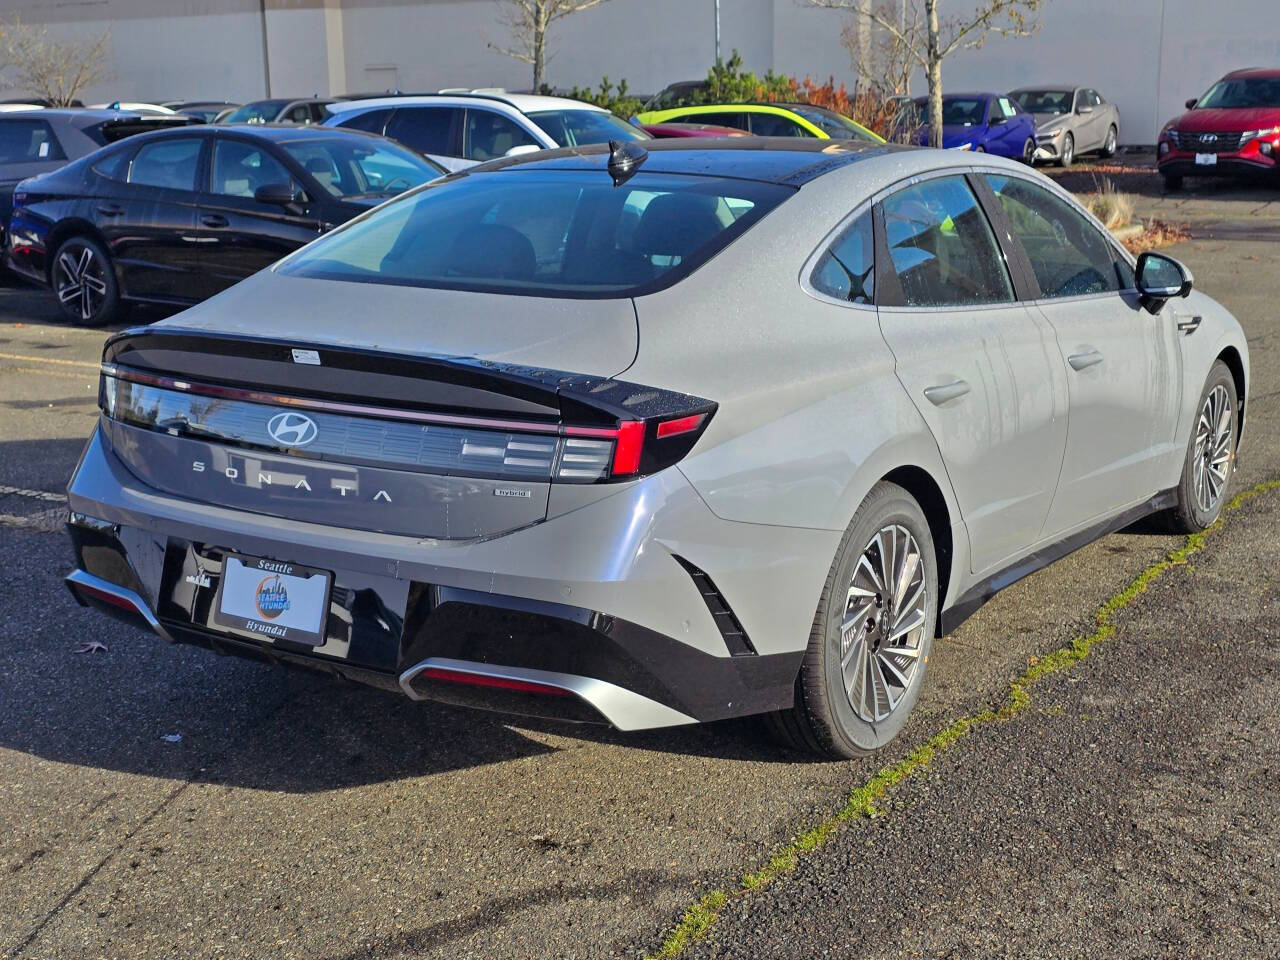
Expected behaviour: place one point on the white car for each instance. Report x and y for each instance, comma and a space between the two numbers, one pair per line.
460, 129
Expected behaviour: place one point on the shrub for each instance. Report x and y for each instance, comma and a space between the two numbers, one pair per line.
616, 101
1113, 208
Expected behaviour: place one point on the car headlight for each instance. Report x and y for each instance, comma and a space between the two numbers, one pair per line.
1255, 134
965, 146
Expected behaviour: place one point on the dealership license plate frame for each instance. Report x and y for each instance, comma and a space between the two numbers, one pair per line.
1206, 159
266, 628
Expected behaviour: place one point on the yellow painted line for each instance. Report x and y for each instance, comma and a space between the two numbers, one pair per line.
701, 916
53, 360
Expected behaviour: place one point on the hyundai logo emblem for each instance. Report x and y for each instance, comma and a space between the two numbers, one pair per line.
292, 429
1209, 138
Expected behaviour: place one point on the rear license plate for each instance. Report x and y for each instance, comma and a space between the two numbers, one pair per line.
1206, 159
273, 600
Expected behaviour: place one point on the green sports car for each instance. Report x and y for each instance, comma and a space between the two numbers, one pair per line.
768, 120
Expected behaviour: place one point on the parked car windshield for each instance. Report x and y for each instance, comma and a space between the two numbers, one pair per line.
834, 125
352, 166
1242, 92
263, 111
1056, 102
576, 128
551, 233
963, 111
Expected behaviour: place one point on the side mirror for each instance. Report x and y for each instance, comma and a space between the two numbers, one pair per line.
279, 194
1160, 279
522, 149
1191, 104
998, 119
1083, 109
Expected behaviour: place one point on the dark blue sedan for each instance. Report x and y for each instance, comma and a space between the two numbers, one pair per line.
984, 123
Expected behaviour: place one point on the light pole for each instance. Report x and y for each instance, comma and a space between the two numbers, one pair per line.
717, 6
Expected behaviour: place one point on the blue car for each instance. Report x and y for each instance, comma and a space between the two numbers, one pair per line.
984, 123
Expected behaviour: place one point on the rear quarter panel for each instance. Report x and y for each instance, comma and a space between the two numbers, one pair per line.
811, 413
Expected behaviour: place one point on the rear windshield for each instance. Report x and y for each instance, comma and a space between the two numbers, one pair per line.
543, 233
575, 128
1241, 93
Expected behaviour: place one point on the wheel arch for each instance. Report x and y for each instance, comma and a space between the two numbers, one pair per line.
926, 491
1235, 363
65, 230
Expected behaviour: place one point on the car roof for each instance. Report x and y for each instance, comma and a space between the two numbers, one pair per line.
1262, 73
1050, 86
524, 102
275, 132
76, 116
790, 161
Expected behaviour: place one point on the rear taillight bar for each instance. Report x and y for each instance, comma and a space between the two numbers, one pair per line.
583, 454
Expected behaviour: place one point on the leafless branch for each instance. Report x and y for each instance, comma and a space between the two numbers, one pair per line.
54, 70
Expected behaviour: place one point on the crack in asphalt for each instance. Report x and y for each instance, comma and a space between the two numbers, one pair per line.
699, 917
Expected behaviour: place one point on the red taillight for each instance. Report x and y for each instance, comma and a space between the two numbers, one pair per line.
673, 428
496, 683
627, 448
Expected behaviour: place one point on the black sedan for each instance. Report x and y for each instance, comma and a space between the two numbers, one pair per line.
176, 216
38, 141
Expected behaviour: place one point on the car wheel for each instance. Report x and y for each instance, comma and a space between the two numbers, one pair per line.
1068, 150
871, 638
84, 282
1109, 146
1029, 152
979, 149
1172, 183
1211, 455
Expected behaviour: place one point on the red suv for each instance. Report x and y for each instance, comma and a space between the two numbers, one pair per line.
1233, 130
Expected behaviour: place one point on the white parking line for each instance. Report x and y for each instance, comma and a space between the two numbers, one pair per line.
54, 360
33, 494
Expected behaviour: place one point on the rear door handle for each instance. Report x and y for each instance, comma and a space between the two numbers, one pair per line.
111, 210
943, 392
1082, 361
214, 220
1189, 325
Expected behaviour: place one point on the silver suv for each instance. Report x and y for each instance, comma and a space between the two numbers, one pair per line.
656, 437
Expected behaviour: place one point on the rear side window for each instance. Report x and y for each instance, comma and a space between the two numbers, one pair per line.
113, 164
847, 270
425, 129
374, 121
490, 135
738, 120
772, 125
943, 250
28, 141
544, 233
166, 163
1068, 254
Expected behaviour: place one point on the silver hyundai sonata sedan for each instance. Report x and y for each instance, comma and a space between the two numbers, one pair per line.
652, 436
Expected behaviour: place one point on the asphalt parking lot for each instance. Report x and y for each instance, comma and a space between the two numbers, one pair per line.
1120, 800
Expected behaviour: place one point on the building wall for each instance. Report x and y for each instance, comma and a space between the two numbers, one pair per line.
1146, 55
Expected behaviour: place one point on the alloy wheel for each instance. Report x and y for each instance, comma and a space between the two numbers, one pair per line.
883, 629
1029, 152
80, 281
1211, 459
1068, 150
1109, 148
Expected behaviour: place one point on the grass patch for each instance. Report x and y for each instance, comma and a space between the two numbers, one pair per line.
1114, 208
861, 803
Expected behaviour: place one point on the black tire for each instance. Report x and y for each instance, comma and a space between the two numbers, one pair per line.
1111, 144
1172, 183
979, 149
1029, 152
1192, 513
824, 719
83, 279
1068, 155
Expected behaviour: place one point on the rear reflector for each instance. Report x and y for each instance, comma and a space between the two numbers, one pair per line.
498, 683
673, 428
106, 597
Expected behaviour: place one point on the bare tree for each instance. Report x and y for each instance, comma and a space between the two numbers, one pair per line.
529, 21
54, 70
938, 37
884, 61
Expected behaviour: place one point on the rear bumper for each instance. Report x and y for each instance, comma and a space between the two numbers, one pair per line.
587, 616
